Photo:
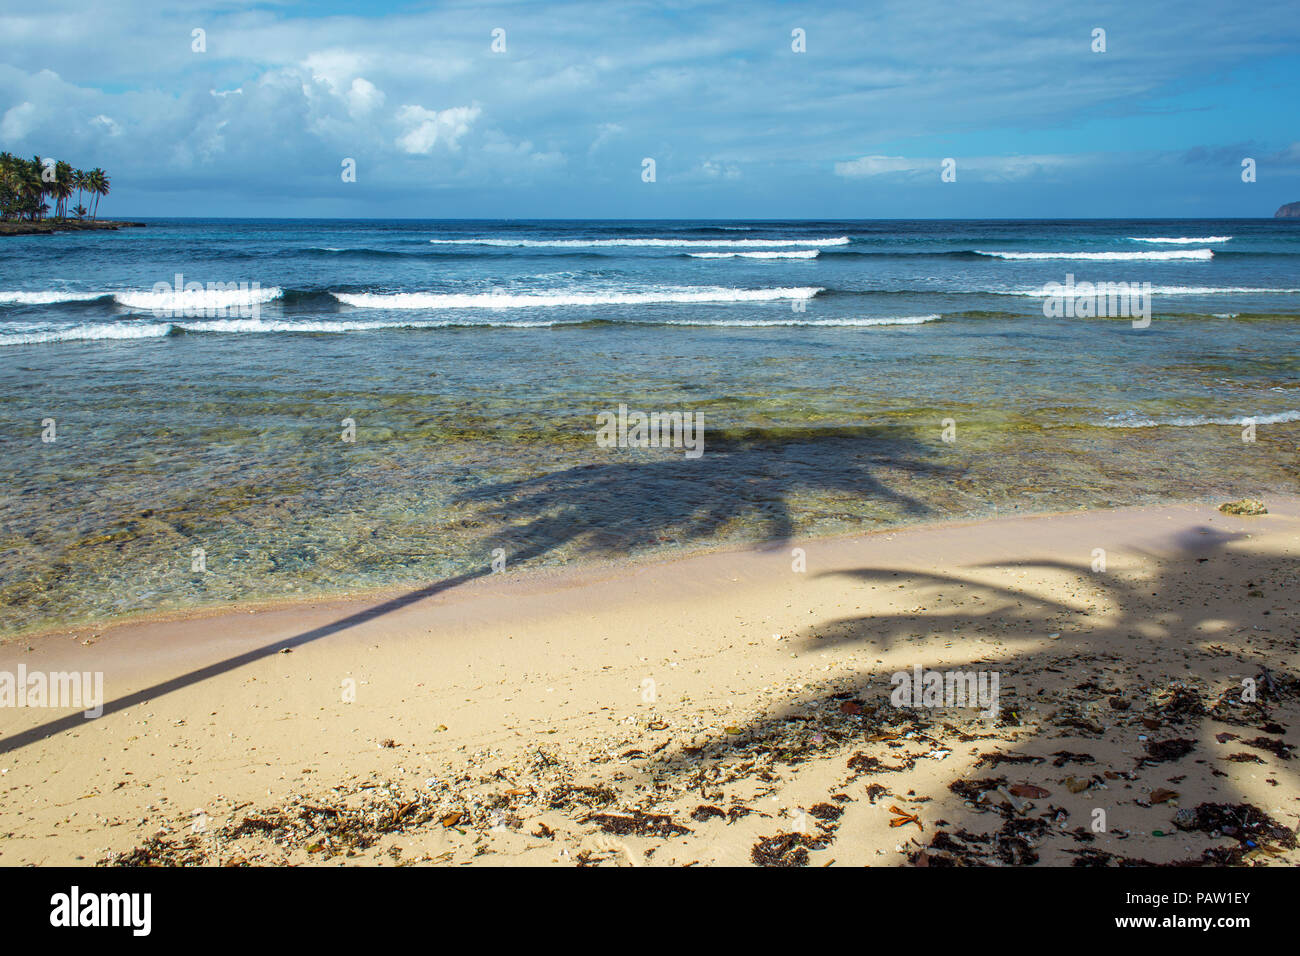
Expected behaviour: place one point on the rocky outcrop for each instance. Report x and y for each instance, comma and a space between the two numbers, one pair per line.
1290, 211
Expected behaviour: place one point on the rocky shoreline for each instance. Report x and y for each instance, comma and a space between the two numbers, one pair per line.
42, 228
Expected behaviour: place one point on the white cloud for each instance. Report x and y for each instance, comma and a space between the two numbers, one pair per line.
426, 128
716, 170
334, 67
876, 166
979, 168
107, 124
18, 121
363, 97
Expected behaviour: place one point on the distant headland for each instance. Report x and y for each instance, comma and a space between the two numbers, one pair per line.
1290, 211
63, 225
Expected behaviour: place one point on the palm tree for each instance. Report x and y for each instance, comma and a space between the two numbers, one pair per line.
34, 188
61, 188
8, 184
24, 184
79, 182
100, 186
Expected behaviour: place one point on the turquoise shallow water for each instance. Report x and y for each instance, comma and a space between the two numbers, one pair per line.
474, 368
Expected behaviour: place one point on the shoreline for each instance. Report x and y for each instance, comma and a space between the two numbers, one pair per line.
510, 721
46, 227
538, 576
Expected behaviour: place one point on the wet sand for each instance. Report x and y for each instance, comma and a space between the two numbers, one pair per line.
717, 709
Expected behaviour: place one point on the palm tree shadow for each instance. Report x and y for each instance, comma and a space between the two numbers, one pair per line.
1138, 655
638, 502
620, 507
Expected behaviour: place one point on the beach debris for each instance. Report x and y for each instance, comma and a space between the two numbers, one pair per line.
975, 791
704, 771
1077, 784
1013, 801
1160, 751
786, 849
1251, 827
902, 818
1029, 791
639, 823
705, 812
1245, 506
1082, 724
994, 758
875, 791
1012, 845
1276, 747
826, 812
1244, 757
1180, 705
1064, 757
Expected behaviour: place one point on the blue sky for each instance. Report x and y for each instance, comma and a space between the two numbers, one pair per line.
739, 125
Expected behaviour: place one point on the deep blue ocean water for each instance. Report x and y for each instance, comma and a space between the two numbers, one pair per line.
824, 358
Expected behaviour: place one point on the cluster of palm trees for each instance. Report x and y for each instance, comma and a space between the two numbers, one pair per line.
26, 183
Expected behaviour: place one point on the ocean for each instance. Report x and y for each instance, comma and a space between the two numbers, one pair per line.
389, 403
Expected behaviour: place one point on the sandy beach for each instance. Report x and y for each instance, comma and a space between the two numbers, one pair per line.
723, 708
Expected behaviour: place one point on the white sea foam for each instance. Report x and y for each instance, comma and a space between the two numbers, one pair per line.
90, 332
47, 297
1179, 240
822, 323
533, 300
111, 331
1193, 421
648, 243
785, 254
1175, 290
345, 325
1106, 256
196, 301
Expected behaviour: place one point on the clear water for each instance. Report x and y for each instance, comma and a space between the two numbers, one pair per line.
474, 368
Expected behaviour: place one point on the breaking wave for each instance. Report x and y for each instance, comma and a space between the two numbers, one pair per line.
1105, 256
647, 243
525, 300
785, 254
1193, 421
1179, 240
819, 323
